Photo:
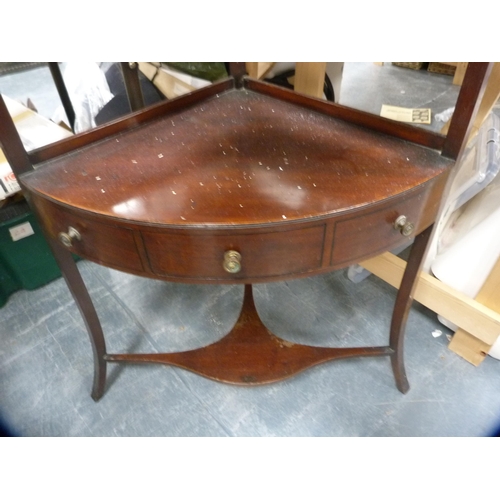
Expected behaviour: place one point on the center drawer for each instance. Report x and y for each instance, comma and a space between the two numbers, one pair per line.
203, 255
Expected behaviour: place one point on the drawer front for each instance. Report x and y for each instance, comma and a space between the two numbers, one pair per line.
263, 255
102, 243
371, 233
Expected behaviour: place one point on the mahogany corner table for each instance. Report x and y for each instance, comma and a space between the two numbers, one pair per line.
241, 182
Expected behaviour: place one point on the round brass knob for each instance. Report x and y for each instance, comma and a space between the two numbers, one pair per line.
67, 238
404, 226
232, 261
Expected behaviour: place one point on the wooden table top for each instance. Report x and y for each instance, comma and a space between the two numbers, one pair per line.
236, 158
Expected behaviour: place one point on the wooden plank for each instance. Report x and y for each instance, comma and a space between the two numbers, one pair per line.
310, 78
258, 69
445, 127
473, 349
453, 305
458, 77
489, 295
491, 96
466, 108
469, 347
252, 69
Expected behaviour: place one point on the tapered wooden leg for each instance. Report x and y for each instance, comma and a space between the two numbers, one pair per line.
82, 298
402, 306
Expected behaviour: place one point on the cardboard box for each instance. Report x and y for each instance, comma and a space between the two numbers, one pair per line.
35, 131
169, 82
442, 68
410, 65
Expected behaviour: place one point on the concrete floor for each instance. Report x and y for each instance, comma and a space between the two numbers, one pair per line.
45, 356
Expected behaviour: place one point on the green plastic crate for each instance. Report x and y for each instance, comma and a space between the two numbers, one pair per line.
28, 262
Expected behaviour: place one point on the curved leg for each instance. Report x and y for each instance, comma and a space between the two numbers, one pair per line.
82, 298
402, 306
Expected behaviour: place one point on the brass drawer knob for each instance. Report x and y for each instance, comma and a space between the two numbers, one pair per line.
404, 226
67, 238
232, 261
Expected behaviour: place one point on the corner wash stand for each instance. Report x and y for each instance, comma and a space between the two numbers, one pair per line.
241, 182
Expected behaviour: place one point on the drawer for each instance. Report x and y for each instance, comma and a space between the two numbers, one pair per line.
101, 243
367, 234
263, 255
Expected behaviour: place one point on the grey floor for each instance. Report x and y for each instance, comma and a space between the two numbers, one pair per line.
46, 364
